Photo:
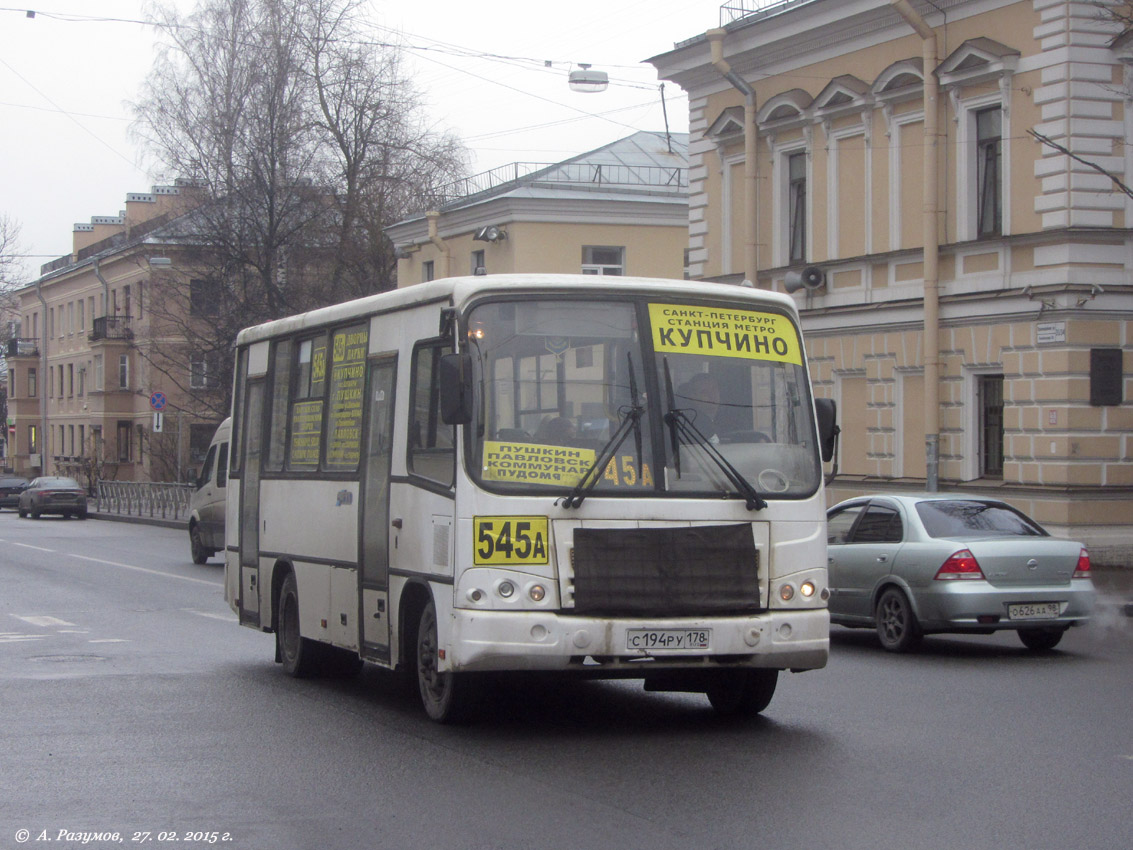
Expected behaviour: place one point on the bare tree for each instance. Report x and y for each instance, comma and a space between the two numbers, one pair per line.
302, 143
10, 280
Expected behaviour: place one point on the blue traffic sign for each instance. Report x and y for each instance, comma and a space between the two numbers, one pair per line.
158, 401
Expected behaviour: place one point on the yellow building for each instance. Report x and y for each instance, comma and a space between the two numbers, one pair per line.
621, 209
810, 147
90, 354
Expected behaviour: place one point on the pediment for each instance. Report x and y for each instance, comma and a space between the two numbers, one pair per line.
841, 93
786, 107
978, 60
728, 124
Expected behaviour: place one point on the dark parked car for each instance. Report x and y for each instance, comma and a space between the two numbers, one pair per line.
53, 495
914, 565
10, 489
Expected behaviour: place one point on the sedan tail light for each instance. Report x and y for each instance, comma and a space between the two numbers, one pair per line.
960, 565
1083, 568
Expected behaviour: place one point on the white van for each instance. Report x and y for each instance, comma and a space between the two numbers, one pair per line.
206, 505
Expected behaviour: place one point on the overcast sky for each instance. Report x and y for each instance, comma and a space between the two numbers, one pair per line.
67, 77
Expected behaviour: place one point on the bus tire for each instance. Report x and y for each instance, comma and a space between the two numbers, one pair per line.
742, 693
446, 697
299, 655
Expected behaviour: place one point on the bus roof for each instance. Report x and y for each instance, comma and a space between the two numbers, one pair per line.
456, 291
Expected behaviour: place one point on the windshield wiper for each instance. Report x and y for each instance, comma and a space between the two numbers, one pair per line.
630, 421
681, 427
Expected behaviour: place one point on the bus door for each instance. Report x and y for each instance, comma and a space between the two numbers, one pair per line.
374, 508
250, 505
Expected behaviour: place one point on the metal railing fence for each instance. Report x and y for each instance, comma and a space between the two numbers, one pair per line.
143, 499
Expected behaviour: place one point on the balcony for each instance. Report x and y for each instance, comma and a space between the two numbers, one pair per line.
111, 327
22, 348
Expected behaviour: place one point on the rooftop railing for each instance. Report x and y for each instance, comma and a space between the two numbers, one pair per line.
587, 175
737, 10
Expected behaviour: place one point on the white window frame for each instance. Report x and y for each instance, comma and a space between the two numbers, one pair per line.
781, 198
971, 413
613, 269
727, 225
835, 139
967, 155
123, 371
895, 124
198, 372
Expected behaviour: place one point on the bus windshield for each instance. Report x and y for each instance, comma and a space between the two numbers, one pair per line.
679, 399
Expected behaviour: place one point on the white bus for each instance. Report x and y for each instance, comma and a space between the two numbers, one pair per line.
613, 478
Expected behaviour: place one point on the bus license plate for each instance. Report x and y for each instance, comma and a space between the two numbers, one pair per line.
668, 639
1034, 611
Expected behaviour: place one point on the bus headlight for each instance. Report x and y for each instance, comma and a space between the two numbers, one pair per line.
787, 592
807, 589
537, 593
505, 589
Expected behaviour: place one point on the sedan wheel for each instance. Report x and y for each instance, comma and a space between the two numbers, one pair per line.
897, 626
1042, 640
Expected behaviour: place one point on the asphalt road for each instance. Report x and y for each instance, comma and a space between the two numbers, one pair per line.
132, 703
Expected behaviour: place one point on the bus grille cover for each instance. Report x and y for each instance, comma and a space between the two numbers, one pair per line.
683, 571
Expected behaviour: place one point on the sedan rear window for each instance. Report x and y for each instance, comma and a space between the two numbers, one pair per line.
971, 518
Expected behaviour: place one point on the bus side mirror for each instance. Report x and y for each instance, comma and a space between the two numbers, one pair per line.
456, 389
828, 430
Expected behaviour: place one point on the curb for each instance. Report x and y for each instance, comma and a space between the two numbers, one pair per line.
140, 520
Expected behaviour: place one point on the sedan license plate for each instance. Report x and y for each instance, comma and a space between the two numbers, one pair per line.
1034, 611
652, 640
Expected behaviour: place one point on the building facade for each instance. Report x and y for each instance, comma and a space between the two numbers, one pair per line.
620, 209
888, 145
91, 362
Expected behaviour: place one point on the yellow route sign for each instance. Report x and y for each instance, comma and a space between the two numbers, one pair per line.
723, 332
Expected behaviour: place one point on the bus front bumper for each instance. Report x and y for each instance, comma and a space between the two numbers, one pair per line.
504, 640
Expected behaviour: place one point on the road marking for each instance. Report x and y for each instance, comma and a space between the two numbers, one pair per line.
145, 570
116, 564
11, 637
29, 546
110, 640
43, 622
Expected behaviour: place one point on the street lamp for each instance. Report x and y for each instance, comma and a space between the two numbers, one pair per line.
587, 81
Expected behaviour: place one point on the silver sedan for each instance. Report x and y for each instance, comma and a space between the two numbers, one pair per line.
914, 565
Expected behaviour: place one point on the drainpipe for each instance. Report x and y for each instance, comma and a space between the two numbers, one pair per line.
105, 291
751, 174
42, 384
432, 217
930, 218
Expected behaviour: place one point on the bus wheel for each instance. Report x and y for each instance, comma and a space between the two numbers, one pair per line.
447, 697
742, 693
300, 655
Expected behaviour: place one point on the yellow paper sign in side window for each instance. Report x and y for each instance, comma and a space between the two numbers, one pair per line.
723, 332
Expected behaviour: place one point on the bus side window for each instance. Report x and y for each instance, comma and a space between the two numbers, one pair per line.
432, 444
